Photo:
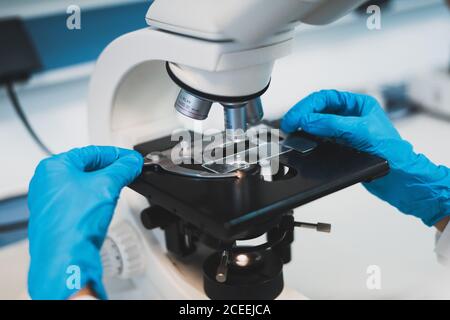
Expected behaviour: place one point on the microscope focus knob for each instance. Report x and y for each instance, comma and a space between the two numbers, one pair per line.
121, 252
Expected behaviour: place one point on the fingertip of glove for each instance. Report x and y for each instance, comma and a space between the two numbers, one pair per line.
135, 158
288, 124
130, 155
139, 162
137, 155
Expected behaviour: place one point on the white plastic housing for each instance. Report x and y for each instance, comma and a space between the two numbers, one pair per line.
117, 102
246, 21
241, 70
263, 27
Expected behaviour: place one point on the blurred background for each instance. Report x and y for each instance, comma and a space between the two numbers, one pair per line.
405, 64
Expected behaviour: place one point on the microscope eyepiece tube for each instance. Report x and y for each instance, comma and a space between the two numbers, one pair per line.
255, 111
192, 106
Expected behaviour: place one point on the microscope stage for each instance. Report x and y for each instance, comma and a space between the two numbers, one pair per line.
233, 208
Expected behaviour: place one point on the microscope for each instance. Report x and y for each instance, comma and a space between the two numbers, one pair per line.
213, 228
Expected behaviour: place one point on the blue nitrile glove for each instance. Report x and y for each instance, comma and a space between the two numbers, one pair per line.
71, 198
414, 185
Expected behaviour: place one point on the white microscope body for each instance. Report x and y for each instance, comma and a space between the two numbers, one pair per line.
224, 49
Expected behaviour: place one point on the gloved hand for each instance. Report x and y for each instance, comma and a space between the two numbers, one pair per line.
71, 198
414, 185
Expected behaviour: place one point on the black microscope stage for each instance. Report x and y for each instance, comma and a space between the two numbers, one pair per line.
233, 208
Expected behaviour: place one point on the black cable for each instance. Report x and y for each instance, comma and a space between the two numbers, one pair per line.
17, 107
14, 226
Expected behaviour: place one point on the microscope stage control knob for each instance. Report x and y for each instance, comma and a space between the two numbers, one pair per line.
319, 227
121, 252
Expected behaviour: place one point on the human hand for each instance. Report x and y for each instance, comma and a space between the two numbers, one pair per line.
414, 185
72, 197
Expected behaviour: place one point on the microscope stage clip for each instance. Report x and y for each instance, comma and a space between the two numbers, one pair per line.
160, 159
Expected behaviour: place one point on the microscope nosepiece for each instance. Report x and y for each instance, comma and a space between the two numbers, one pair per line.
192, 106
